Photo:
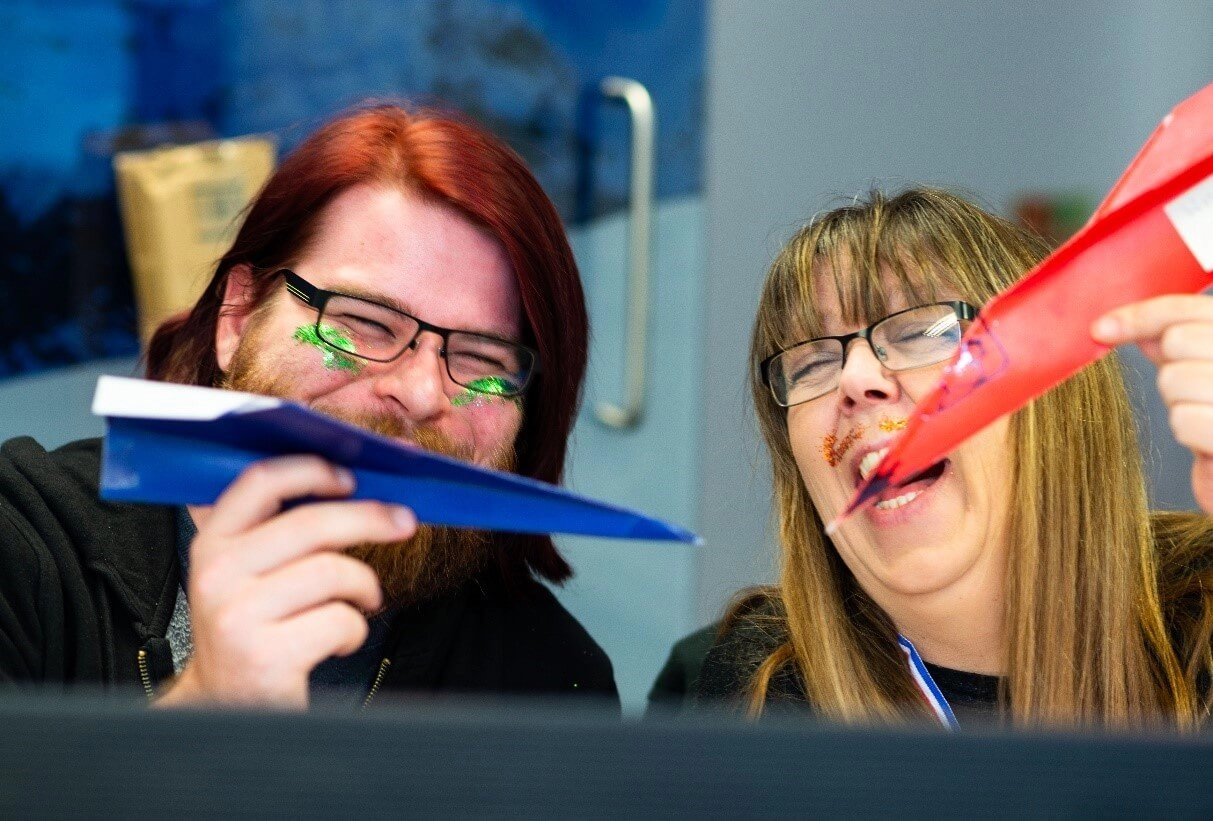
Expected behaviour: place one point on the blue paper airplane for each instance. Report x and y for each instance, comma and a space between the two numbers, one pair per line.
183, 444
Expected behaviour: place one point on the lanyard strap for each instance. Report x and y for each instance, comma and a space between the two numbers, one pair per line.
930, 690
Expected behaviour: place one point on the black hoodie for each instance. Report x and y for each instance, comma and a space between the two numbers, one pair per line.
87, 588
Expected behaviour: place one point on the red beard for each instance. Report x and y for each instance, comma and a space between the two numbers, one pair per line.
437, 559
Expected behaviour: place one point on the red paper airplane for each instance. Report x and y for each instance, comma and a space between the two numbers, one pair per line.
1152, 235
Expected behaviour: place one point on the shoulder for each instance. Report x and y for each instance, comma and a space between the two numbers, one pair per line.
1184, 548
71, 469
677, 681
56, 492
1183, 544
41, 575
553, 651
754, 630
42, 490
51, 513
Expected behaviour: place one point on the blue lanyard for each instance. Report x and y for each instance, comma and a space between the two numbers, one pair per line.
930, 690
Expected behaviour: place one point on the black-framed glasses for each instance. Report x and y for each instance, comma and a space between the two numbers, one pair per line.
369, 330
913, 338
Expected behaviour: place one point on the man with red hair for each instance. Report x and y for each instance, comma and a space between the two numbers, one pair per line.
402, 271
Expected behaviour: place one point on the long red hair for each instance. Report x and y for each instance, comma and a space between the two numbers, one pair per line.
441, 157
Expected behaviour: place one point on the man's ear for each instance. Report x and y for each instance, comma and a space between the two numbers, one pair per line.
234, 314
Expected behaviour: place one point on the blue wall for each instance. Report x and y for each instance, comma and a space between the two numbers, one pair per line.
83, 78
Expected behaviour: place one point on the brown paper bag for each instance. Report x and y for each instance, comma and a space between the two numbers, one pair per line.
181, 207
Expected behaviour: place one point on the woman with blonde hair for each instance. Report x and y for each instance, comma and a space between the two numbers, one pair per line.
1023, 579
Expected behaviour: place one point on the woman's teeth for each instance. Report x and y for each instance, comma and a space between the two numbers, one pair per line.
868, 464
870, 461
892, 504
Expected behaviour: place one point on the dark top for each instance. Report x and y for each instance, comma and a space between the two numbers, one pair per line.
86, 585
677, 681
738, 652
337, 679
973, 697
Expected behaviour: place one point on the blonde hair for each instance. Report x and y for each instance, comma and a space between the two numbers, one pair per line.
1087, 635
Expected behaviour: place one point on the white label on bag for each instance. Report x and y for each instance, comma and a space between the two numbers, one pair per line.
1192, 215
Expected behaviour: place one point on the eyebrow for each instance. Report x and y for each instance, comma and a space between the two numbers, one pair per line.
397, 305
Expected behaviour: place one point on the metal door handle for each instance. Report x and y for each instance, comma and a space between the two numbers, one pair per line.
640, 240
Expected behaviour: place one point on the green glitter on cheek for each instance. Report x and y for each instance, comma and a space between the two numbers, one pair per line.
334, 360
482, 391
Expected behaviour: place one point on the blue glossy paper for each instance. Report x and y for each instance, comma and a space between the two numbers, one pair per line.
190, 461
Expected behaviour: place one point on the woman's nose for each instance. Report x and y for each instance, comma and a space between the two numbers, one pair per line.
864, 379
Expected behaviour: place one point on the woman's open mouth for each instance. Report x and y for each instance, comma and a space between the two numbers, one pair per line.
906, 492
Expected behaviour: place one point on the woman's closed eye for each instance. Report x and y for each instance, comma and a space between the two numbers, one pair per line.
812, 368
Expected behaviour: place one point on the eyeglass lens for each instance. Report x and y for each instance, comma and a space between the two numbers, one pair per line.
908, 339
379, 333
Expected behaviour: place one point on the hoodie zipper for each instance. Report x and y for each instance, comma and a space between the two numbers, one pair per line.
383, 665
145, 675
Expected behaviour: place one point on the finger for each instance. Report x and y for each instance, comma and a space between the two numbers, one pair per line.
1152, 349
1188, 340
310, 582
1187, 381
1147, 319
321, 526
334, 629
260, 490
1192, 425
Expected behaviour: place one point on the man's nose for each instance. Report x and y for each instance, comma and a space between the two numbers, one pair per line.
417, 379
864, 379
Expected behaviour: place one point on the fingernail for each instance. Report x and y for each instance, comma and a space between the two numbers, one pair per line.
1106, 327
346, 477
403, 517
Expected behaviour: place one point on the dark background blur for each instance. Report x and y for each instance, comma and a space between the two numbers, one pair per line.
82, 79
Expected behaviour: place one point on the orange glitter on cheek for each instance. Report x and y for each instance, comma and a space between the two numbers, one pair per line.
827, 449
889, 425
832, 450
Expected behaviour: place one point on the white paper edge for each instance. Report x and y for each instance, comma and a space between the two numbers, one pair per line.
1192, 215
144, 399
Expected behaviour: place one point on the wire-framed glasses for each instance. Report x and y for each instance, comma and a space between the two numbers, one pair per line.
913, 338
369, 330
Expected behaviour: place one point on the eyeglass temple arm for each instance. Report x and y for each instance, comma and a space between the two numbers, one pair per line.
300, 287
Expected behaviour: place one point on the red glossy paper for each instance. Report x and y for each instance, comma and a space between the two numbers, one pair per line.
1036, 334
